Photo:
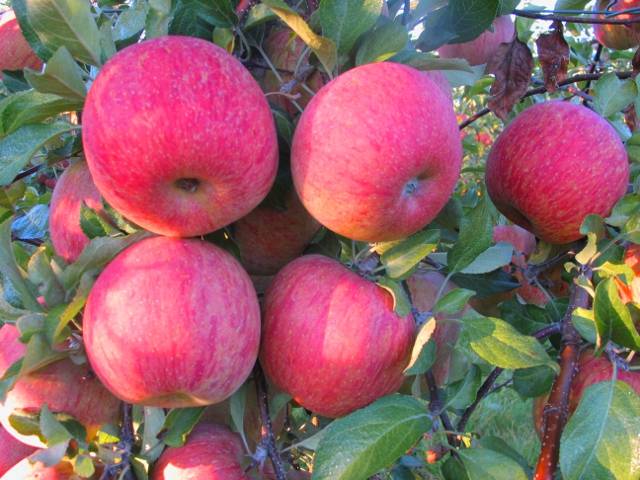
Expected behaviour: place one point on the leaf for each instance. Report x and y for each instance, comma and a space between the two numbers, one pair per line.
17, 149
589, 251
343, 21
61, 76
611, 95
584, 322
51, 456
497, 444
93, 224
179, 423
323, 47
401, 302
491, 259
237, 405
600, 440
9, 269
476, 235
58, 322
382, 43
571, 4
31, 107
225, 38
33, 225
52, 429
423, 353
462, 393
401, 258
512, 66
131, 21
454, 301
613, 320
39, 354
498, 343
553, 54
369, 439
83, 466
154, 419
485, 464
533, 382
158, 17
189, 18
67, 23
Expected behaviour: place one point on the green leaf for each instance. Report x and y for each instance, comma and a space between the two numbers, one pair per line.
633, 147
131, 21
67, 23
584, 321
30, 107
93, 224
533, 382
179, 423
401, 259
382, 43
454, 301
611, 95
323, 47
83, 466
58, 319
588, 252
423, 353
9, 269
237, 405
600, 440
62, 76
158, 18
17, 149
476, 235
225, 38
190, 18
369, 439
462, 393
343, 21
39, 354
401, 302
52, 429
497, 444
612, 317
499, 344
494, 257
485, 464
258, 15
571, 4
154, 419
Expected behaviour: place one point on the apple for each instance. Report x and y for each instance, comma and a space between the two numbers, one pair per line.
284, 48
536, 174
630, 292
424, 287
15, 52
377, 152
591, 370
211, 452
11, 451
270, 237
74, 188
25, 470
331, 339
189, 145
172, 323
617, 37
481, 49
63, 386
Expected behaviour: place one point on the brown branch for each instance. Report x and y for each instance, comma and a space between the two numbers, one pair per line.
27, 172
122, 469
573, 19
556, 411
436, 407
268, 438
592, 68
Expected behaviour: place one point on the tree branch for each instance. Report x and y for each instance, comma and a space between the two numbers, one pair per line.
551, 17
27, 172
268, 438
436, 407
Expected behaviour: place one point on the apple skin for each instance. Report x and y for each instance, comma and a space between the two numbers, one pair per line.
162, 285
591, 370
15, 52
11, 451
377, 152
25, 470
331, 338
211, 452
617, 37
535, 171
270, 237
63, 386
195, 126
481, 49
424, 286
74, 187
631, 292
283, 47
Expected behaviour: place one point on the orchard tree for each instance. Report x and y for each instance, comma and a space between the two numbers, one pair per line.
321, 239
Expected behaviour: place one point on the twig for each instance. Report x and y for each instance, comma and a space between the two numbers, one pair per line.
406, 11
36, 242
436, 407
574, 19
592, 69
556, 411
27, 172
122, 470
268, 438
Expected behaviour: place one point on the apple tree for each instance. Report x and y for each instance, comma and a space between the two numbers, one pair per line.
321, 239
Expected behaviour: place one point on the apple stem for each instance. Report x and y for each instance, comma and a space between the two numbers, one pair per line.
268, 438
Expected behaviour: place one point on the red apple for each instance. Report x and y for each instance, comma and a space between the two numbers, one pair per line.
11, 451
424, 287
172, 323
617, 37
25, 470
536, 173
211, 452
376, 154
481, 49
63, 386
74, 188
331, 338
189, 145
15, 52
270, 237
284, 48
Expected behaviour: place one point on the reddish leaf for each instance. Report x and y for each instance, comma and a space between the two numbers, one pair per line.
553, 52
631, 118
512, 66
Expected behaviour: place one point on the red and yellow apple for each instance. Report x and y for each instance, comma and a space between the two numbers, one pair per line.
189, 145
377, 153
15, 52
270, 237
331, 338
536, 173
630, 292
74, 187
25, 470
617, 37
481, 49
63, 386
11, 451
172, 323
